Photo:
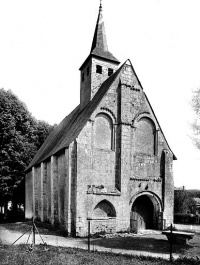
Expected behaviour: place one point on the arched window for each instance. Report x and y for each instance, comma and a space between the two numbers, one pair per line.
103, 131
145, 137
104, 209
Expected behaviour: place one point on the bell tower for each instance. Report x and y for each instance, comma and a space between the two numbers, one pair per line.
98, 66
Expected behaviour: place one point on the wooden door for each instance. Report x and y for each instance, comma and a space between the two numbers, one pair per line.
142, 214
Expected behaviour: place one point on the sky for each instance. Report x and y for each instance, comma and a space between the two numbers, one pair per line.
44, 42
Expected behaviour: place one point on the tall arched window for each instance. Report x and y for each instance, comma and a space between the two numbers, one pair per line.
145, 137
103, 131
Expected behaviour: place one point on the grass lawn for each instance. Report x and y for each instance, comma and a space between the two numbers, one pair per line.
14, 255
151, 243
44, 228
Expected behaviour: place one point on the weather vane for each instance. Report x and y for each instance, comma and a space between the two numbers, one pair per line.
100, 3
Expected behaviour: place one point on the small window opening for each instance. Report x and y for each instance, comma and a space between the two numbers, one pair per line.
110, 71
99, 69
83, 77
88, 70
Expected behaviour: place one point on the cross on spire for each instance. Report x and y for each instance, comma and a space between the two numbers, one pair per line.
100, 7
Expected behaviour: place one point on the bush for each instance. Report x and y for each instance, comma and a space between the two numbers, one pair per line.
183, 218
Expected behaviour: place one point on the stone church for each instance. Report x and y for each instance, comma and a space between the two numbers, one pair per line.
108, 161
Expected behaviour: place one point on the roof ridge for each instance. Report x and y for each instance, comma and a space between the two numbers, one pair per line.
70, 127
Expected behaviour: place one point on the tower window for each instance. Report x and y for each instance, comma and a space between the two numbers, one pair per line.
88, 70
110, 71
99, 69
83, 77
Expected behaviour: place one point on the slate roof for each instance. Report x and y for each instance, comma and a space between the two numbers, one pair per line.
99, 39
99, 44
69, 128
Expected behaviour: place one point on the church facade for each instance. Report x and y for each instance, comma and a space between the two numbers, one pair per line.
108, 161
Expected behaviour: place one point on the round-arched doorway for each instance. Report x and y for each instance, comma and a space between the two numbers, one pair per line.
144, 213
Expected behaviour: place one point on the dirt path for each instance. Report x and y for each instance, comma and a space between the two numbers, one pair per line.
8, 237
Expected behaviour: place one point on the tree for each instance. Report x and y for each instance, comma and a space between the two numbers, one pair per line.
183, 201
43, 129
20, 137
196, 123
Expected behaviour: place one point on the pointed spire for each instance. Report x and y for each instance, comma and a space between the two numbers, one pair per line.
99, 40
99, 44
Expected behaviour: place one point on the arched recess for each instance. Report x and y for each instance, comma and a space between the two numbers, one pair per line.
146, 210
144, 115
103, 218
103, 132
145, 136
104, 209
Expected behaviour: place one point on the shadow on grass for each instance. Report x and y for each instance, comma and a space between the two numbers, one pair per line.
139, 243
23, 226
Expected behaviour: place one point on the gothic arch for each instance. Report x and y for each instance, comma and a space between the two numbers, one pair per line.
104, 209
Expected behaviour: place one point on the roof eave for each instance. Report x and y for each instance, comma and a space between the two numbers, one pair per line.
98, 57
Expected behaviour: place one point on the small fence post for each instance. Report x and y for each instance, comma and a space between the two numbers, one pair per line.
88, 235
33, 233
170, 244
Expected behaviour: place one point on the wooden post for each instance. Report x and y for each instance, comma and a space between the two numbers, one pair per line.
33, 234
170, 244
88, 235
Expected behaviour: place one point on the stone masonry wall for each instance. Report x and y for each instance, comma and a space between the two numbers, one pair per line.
91, 81
85, 84
96, 78
49, 202
37, 192
135, 170
145, 165
50, 199
69, 186
61, 188
29, 195
45, 193
169, 190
